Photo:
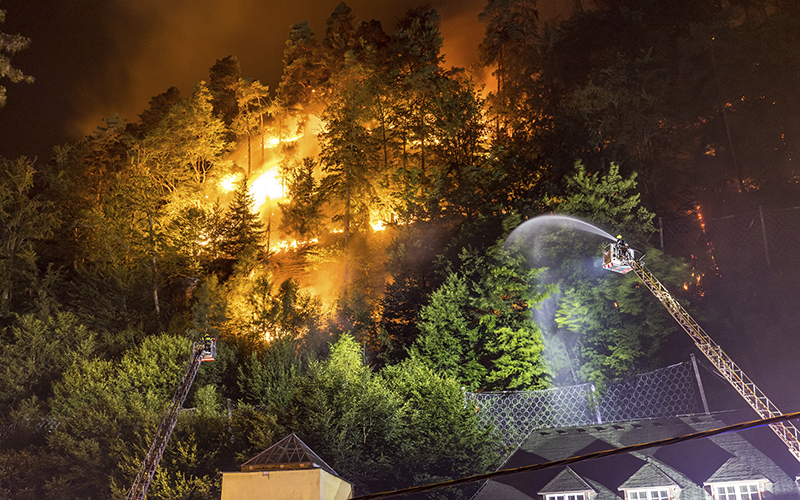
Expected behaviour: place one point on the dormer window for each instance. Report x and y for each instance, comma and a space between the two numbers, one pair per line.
737, 491
648, 494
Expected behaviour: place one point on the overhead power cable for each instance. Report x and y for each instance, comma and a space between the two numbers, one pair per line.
598, 454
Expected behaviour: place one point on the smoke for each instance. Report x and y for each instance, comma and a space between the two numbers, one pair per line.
151, 45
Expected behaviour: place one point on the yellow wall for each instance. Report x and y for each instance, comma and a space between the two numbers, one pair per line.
310, 484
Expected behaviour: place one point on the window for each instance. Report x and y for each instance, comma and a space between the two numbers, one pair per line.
656, 494
567, 496
741, 491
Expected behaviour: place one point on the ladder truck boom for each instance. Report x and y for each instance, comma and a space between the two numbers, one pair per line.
200, 352
619, 258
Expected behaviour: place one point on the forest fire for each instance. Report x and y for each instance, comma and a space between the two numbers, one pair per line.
267, 187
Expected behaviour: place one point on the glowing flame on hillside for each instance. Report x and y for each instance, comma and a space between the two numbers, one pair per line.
267, 186
275, 141
228, 183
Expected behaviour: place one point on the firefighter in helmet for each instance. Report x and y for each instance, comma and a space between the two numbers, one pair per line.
622, 247
207, 341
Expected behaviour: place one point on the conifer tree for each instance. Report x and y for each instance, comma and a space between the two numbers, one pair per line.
478, 325
605, 328
241, 227
10, 45
26, 219
302, 214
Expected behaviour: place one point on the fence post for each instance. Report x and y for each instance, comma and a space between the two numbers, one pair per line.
764, 234
699, 384
596, 404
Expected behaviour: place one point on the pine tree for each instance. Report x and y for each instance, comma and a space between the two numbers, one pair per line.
10, 45
241, 227
302, 215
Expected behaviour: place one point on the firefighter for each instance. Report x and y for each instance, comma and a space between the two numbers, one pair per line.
622, 247
207, 341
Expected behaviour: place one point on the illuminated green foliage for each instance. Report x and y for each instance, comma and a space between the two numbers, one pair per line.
302, 214
240, 228
608, 327
478, 326
406, 425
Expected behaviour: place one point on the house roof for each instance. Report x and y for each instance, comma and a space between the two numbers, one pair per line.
735, 469
649, 476
688, 465
566, 480
290, 453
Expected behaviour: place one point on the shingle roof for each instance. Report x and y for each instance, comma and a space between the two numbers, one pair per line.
290, 453
649, 476
687, 465
566, 480
735, 470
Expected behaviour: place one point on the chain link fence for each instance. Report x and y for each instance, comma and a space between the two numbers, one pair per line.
762, 240
662, 393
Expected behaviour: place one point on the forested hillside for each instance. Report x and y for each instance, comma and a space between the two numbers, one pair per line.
343, 235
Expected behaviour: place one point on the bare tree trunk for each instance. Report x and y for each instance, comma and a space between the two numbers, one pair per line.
155, 268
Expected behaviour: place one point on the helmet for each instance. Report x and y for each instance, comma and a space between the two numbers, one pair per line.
619, 236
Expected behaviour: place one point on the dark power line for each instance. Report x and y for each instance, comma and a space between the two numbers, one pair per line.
590, 456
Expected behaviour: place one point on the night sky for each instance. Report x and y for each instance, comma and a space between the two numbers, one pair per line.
93, 58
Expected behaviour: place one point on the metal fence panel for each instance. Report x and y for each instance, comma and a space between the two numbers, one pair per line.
666, 392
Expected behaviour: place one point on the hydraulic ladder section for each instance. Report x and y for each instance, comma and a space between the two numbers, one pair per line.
732, 373
159, 444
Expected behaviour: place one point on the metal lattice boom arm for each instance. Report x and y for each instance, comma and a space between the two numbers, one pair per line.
732, 373
159, 444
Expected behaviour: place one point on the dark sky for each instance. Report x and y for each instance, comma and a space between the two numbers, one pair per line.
92, 58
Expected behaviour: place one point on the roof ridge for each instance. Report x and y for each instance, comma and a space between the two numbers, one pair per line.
566, 479
287, 454
648, 475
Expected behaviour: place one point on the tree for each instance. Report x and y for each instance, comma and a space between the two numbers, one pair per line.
405, 426
253, 103
510, 46
346, 162
223, 80
478, 325
302, 215
26, 219
150, 118
187, 143
108, 412
606, 327
268, 377
240, 227
442, 438
348, 415
35, 354
608, 200
303, 72
10, 45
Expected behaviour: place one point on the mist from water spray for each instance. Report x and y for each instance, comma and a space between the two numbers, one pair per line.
532, 236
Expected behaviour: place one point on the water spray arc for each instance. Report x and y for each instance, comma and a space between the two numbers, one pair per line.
533, 236
619, 258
